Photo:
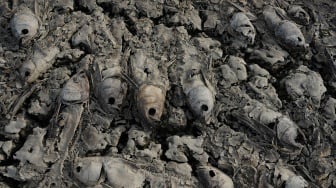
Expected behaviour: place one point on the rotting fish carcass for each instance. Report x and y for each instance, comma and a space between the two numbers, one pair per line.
287, 32
200, 99
110, 89
38, 64
287, 132
74, 93
24, 25
199, 92
88, 170
241, 28
76, 90
151, 92
150, 101
213, 177
299, 15
82, 38
290, 34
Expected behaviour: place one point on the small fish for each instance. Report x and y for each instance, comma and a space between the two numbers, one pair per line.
88, 170
287, 33
24, 25
290, 35
110, 88
287, 132
212, 177
150, 102
200, 94
242, 28
299, 15
76, 90
151, 84
38, 64
201, 101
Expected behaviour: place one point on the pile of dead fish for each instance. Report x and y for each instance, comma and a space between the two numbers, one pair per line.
108, 93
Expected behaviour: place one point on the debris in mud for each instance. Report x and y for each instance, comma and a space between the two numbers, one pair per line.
112, 93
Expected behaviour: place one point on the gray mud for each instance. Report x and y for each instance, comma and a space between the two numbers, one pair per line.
217, 93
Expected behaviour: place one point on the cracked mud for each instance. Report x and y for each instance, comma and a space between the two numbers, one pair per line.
164, 93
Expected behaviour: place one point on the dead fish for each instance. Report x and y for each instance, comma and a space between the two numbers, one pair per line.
151, 87
74, 93
299, 15
290, 35
201, 101
82, 38
212, 177
38, 64
88, 170
287, 132
242, 28
71, 116
122, 174
76, 90
150, 101
296, 182
285, 175
24, 24
273, 16
287, 32
110, 88
199, 95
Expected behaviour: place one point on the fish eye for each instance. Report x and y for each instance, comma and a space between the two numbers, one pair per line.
24, 31
111, 100
151, 111
204, 107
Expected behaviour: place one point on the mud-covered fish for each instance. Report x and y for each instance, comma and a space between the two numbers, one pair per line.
24, 25
241, 28
110, 88
213, 177
41, 60
152, 87
198, 91
76, 90
286, 32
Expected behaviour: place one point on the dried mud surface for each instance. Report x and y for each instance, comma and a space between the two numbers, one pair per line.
168, 93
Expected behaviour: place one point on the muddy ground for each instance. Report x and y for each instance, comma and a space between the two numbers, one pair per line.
217, 93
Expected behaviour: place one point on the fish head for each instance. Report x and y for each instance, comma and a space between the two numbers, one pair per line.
24, 25
111, 93
150, 100
28, 72
201, 102
76, 89
290, 36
